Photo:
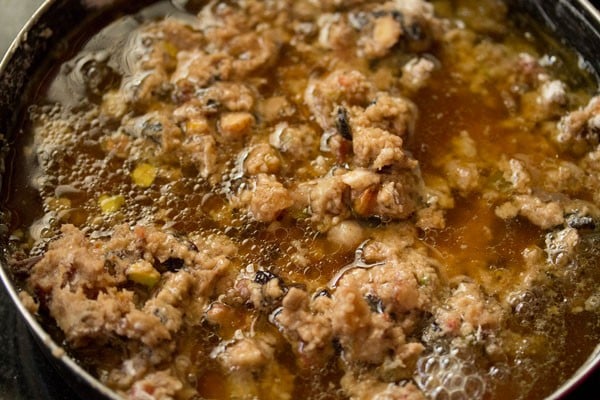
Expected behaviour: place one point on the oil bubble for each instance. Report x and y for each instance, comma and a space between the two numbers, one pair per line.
444, 375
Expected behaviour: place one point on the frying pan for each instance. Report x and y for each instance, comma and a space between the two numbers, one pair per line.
576, 22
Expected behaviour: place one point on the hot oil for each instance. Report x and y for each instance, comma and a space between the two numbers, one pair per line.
22, 201
75, 173
476, 240
476, 243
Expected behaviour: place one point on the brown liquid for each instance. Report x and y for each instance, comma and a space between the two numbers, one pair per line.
475, 243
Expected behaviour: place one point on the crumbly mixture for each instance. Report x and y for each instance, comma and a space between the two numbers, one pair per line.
315, 199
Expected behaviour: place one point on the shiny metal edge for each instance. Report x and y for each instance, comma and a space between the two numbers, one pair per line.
579, 376
58, 352
53, 348
22, 35
589, 7
42, 336
593, 361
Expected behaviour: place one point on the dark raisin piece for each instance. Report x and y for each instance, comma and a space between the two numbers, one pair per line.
337, 346
174, 264
262, 277
415, 32
375, 303
581, 222
398, 16
342, 123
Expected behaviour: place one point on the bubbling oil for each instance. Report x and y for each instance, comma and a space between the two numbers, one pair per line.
76, 181
443, 375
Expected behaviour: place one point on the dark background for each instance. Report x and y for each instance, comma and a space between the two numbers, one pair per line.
25, 373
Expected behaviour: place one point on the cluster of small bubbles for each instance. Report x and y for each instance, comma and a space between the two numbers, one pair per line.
444, 375
44, 227
527, 306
